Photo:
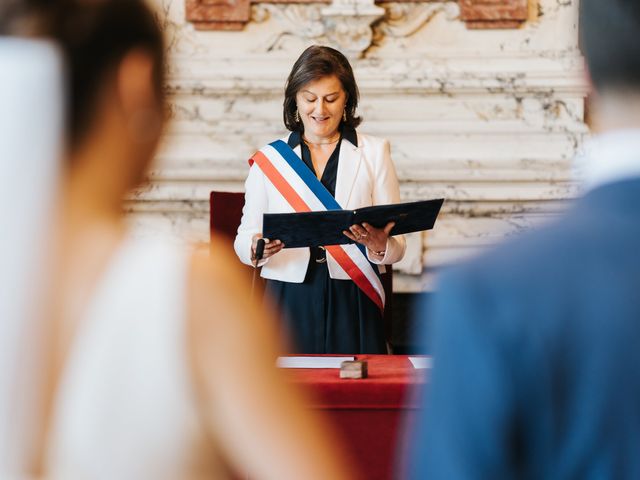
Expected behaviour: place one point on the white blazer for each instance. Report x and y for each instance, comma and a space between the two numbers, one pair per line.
366, 176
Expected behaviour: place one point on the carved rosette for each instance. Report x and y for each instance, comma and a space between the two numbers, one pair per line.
234, 14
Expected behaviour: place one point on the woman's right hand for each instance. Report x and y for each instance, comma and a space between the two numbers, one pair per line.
271, 247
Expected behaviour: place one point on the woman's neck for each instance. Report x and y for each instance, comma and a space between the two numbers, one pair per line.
315, 140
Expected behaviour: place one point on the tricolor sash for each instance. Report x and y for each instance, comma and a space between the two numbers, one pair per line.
305, 193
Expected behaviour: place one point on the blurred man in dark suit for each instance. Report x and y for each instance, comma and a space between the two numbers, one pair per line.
537, 344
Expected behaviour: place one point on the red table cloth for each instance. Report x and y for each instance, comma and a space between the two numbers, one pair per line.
369, 414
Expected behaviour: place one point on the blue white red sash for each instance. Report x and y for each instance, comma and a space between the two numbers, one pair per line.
305, 193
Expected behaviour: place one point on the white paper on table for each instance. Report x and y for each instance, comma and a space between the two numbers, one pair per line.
312, 362
421, 362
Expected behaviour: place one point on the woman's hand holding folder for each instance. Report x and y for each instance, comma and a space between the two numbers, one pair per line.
375, 239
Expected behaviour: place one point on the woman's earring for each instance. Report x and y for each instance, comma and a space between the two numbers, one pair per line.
344, 115
296, 117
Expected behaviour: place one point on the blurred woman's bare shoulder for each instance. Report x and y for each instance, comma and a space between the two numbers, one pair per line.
216, 263
221, 305
233, 344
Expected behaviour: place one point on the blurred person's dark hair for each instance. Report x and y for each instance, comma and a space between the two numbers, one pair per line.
314, 63
95, 36
26, 18
609, 40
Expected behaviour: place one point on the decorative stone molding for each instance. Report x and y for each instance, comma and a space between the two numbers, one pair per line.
351, 27
235, 14
304, 21
349, 24
404, 19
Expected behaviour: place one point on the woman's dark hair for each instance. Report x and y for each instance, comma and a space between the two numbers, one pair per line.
95, 36
609, 40
314, 63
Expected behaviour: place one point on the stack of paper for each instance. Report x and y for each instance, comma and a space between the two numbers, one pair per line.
311, 362
421, 362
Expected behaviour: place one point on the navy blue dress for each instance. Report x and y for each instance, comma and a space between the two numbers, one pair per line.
321, 314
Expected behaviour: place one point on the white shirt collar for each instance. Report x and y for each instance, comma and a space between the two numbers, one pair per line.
610, 157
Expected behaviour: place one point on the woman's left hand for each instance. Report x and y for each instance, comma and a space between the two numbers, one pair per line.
375, 239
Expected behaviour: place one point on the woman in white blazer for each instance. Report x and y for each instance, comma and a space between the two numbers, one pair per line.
324, 310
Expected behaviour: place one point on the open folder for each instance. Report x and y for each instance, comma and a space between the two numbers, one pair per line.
315, 229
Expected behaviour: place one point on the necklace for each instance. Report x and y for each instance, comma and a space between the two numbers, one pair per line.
321, 143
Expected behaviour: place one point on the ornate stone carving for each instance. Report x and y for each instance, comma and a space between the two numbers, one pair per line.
346, 26
349, 23
349, 29
234, 14
405, 19
303, 21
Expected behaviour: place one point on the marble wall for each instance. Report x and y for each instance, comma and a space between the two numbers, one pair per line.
488, 119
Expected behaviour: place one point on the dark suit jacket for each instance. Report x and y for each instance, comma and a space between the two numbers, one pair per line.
537, 353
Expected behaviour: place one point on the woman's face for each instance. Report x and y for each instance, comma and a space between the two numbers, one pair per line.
321, 106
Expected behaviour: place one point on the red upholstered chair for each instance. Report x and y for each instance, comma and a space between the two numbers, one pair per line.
225, 213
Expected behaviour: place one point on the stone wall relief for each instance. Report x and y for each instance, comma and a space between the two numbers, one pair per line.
352, 25
351, 29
